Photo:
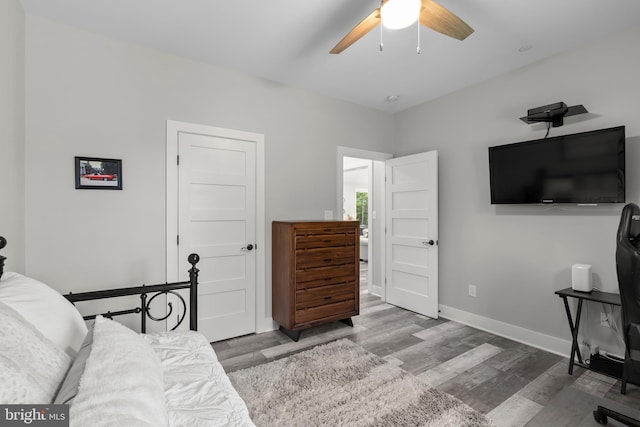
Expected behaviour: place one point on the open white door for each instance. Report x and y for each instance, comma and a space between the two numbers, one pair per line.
412, 233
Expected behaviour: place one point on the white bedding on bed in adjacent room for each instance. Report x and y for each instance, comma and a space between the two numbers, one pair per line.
197, 390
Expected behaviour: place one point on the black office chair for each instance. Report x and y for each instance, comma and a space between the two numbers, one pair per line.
628, 269
3, 243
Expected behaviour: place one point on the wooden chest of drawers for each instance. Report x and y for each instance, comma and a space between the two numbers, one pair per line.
316, 273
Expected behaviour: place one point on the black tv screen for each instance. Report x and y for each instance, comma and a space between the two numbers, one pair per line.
582, 168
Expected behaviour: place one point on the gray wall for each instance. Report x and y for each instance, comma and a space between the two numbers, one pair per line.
94, 96
12, 224
518, 256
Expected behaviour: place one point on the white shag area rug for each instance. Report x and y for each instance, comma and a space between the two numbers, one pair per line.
342, 384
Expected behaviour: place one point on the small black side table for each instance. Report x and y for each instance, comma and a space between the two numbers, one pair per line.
595, 296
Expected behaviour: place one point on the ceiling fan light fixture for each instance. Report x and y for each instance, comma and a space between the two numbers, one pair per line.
397, 14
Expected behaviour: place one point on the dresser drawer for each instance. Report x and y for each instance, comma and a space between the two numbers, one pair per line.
324, 256
322, 276
336, 310
313, 297
306, 241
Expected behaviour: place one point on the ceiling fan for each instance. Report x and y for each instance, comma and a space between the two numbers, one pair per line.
430, 14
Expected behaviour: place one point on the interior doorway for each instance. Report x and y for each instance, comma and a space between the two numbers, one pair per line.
361, 196
402, 199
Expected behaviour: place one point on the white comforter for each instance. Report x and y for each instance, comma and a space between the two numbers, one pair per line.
197, 390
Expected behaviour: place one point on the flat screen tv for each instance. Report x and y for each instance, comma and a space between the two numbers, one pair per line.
581, 168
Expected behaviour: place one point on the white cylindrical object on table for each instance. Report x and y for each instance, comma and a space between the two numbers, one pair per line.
581, 277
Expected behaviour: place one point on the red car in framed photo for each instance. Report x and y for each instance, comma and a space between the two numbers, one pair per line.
101, 177
98, 173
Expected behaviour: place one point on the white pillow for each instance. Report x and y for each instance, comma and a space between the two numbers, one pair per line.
69, 388
31, 367
46, 309
122, 383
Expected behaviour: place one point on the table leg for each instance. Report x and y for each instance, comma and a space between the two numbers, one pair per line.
574, 333
576, 327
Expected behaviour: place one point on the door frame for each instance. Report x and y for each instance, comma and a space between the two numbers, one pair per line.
342, 152
173, 128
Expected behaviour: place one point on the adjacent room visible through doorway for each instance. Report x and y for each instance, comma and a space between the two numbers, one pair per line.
355, 206
361, 197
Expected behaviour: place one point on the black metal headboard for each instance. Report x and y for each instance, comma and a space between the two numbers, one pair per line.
147, 295
3, 243
145, 301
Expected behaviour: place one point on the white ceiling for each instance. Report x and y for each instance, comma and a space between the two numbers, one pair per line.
288, 41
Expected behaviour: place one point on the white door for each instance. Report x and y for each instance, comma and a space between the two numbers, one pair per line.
216, 203
412, 233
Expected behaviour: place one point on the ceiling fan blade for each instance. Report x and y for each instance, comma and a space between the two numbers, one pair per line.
367, 24
442, 20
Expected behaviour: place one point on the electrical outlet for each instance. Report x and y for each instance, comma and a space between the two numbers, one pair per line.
328, 215
472, 290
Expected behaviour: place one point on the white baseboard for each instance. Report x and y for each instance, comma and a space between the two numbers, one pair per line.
516, 333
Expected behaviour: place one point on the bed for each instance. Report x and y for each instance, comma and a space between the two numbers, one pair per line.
106, 373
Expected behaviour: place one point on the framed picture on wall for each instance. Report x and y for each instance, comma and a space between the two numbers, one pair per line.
98, 174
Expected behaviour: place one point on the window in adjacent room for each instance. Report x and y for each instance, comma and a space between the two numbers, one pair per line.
362, 209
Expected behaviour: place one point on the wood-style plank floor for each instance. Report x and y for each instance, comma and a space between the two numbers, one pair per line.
512, 383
